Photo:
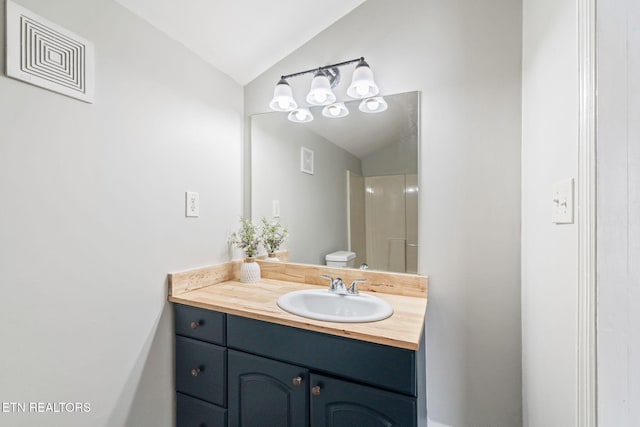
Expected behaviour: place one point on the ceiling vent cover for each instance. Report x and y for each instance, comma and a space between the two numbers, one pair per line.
44, 54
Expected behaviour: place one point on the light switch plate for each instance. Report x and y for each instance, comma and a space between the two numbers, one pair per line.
562, 202
276, 209
192, 204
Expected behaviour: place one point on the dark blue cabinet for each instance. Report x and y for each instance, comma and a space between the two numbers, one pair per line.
338, 403
237, 372
200, 367
264, 392
378, 365
200, 324
201, 370
192, 412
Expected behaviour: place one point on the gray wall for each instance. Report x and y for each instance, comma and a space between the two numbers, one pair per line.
312, 207
618, 44
465, 58
394, 159
549, 251
92, 218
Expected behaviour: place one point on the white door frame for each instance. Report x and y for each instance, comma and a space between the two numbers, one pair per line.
586, 204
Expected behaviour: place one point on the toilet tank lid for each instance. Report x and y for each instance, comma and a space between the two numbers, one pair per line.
340, 256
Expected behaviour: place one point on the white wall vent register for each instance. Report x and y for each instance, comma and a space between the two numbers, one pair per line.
44, 54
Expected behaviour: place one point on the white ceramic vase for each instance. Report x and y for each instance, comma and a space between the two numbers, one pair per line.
250, 271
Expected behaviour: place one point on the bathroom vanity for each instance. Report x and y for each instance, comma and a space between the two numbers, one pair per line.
242, 361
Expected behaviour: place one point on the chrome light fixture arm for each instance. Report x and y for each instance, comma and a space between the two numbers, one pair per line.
331, 71
325, 79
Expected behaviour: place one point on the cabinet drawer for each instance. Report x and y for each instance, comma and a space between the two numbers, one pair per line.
192, 412
201, 324
383, 366
201, 370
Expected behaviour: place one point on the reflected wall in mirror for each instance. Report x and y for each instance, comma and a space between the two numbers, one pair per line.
362, 195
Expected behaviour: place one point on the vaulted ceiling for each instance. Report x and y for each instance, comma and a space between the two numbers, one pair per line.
242, 38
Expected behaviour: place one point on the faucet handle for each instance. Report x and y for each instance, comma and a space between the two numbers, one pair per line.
331, 281
353, 289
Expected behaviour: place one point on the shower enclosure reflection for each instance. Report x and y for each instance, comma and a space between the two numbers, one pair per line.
341, 184
383, 221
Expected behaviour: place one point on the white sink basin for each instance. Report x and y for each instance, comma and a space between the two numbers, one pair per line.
330, 307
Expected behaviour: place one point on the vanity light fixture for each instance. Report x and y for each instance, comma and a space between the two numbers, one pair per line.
300, 115
283, 97
335, 111
377, 104
321, 92
362, 84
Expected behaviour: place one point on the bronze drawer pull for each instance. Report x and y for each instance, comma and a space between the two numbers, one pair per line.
195, 325
195, 372
296, 381
316, 390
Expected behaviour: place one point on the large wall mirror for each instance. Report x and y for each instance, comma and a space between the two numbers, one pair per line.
342, 184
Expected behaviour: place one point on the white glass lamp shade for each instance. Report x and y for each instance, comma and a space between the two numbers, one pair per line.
320, 92
335, 111
376, 104
300, 115
283, 97
362, 84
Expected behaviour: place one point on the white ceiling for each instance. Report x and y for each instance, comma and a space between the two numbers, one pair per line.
242, 38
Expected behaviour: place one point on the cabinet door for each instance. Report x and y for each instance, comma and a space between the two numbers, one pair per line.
266, 393
339, 403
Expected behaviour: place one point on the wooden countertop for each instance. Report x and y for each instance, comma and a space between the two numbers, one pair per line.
258, 301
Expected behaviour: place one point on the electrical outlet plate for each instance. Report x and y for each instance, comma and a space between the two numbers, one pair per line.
562, 202
276, 209
192, 204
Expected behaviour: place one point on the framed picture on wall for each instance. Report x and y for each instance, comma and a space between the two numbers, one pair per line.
306, 160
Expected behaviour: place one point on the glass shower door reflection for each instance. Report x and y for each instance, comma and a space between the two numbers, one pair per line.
383, 221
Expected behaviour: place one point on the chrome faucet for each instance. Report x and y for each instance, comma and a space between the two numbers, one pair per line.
353, 289
337, 286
